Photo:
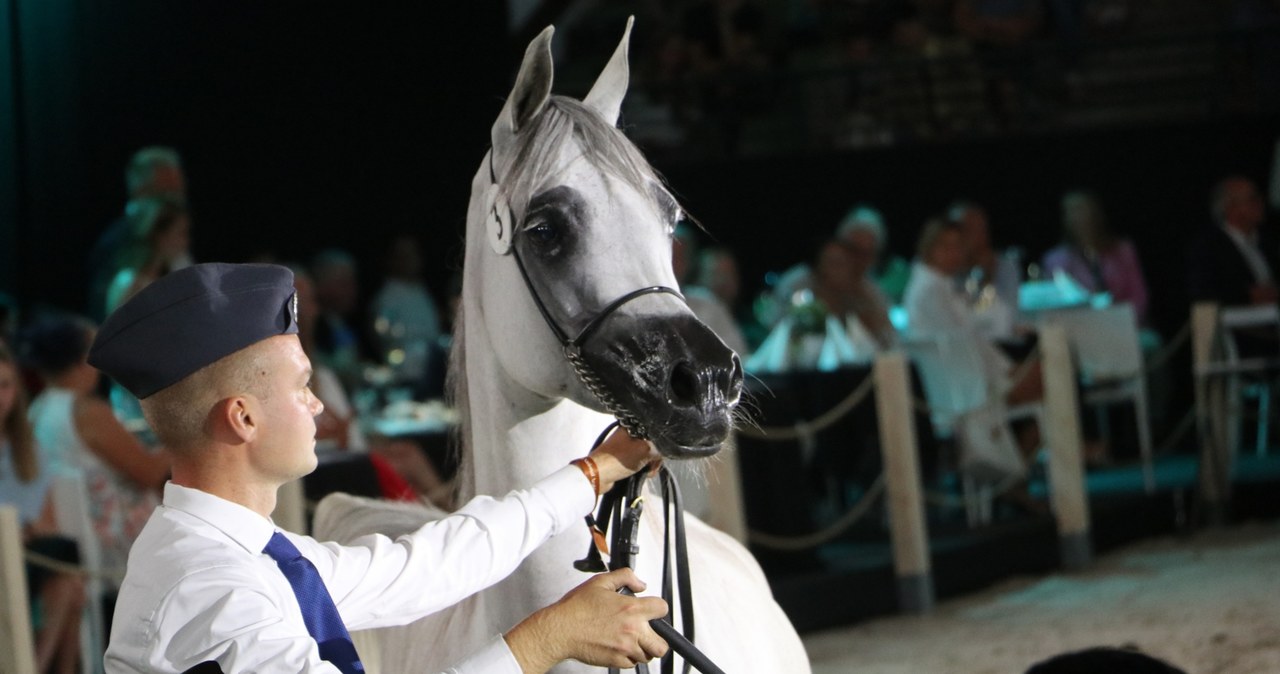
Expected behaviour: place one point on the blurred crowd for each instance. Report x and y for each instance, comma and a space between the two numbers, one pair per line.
70, 439
731, 75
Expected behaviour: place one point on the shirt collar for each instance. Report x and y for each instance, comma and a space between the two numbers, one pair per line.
245, 527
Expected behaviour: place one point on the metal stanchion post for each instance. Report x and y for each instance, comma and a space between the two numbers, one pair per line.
902, 480
1210, 415
16, 650
1067, 489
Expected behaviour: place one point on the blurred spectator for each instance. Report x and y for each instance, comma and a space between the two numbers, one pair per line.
406, 322
24, 484
338, 427
863, 226
1095, 257
82, 437
1001, 30
989, 277
1233, 260
158, 241
937, 310
718, 273
152, 172
863, 239
999, 22
704, 304
840, 283
337, 290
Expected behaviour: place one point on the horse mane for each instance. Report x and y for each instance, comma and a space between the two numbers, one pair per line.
537, 154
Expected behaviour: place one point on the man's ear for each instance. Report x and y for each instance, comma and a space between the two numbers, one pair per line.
235, 420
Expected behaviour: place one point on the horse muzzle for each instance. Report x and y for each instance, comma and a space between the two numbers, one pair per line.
674, 375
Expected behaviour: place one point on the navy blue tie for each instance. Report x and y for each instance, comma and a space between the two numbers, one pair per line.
318, 610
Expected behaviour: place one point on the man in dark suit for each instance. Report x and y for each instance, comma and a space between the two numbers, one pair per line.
1234, 260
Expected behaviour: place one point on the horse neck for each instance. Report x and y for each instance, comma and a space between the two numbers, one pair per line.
516, 437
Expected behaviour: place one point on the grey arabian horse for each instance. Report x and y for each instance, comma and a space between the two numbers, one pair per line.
565, 209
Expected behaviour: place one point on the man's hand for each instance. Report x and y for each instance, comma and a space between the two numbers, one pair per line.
620, 456
591, 624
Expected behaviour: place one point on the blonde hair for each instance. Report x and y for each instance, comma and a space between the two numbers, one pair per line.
17, 428
179, 413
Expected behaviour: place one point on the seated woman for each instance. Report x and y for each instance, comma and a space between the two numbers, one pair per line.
159, 236
24, 483
82, 437
1093, 256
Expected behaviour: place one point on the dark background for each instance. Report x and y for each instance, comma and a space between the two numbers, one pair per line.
307, 126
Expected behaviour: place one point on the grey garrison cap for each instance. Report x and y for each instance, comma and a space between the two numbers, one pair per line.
191, 318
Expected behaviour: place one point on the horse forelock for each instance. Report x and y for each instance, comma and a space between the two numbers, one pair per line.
537, 152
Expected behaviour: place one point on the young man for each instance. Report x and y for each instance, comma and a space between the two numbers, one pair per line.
212, 353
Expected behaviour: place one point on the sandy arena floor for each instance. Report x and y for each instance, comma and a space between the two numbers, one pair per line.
1209, 603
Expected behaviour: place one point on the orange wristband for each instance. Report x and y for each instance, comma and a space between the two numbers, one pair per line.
588, 467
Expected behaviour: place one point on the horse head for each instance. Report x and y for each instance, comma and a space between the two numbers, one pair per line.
567, 221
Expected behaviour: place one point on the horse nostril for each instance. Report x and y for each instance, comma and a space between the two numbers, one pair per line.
733, 387
684, 385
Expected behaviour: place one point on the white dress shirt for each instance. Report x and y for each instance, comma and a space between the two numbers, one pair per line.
199, 587
937, 310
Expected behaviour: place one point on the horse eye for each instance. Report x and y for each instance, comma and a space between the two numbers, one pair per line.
544, 233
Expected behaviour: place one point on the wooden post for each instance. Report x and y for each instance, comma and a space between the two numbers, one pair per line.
724, 487
1067, 490
1210, 415
291, 508
17, 645
904, 494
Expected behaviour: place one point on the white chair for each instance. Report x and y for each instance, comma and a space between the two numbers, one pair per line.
1231, 322
17, 646
71, 507
1108, 354
955, 385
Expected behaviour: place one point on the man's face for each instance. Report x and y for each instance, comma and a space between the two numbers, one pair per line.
948, 253
863, 248
1241, 206
974, 229
167, 181
285, 448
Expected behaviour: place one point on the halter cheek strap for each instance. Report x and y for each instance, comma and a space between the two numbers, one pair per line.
573, 345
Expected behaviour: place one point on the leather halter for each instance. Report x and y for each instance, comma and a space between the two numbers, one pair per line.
623, 505
573, 345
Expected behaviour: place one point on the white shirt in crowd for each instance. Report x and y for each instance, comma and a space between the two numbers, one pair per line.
199, 587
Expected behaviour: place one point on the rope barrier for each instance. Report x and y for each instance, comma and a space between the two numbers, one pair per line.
802, 429
1166, 352
827, 534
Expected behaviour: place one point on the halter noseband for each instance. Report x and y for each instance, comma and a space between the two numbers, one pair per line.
573, 346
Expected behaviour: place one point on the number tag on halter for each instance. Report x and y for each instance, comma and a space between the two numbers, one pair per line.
499, 222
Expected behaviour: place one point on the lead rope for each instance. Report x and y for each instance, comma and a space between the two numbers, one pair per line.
619, 513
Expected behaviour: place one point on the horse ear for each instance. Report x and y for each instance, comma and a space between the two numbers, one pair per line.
610, 88
531, 91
